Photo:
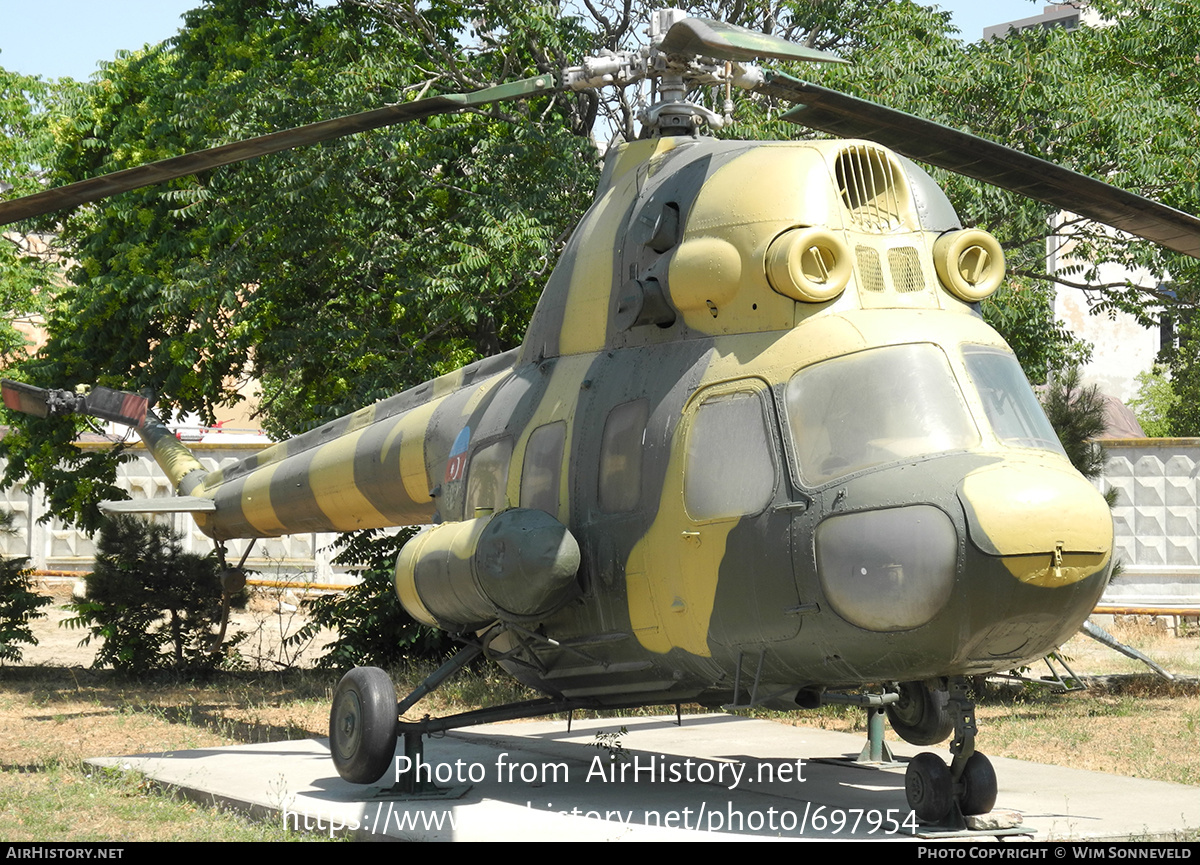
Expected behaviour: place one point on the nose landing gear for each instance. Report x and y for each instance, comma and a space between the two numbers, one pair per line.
945, 795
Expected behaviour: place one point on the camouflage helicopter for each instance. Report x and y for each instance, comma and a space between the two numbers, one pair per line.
758, 446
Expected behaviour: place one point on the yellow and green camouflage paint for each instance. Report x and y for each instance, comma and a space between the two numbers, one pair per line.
788, 492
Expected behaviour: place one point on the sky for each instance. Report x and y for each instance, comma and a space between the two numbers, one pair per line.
55, 38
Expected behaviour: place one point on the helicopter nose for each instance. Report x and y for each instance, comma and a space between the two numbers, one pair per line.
1045, 522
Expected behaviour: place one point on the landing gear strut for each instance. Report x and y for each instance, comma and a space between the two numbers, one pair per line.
946, 794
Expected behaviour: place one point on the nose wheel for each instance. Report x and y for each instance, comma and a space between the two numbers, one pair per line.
928, 787
940, 794
922, 715
933, 794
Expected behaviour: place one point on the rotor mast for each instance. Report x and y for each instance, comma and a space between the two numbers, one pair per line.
681, 55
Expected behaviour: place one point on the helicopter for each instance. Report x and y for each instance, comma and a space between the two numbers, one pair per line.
758, 447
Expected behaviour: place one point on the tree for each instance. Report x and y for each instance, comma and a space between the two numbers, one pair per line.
1114, 102
1155, 401
24, 146
155, 606
1076, 411
335, 275
373, 629
319, 272
348, 271
19, 604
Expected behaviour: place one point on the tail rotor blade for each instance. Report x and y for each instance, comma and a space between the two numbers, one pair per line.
27, 399
100, 402
116, 405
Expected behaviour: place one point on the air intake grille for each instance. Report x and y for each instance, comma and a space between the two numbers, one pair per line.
905, 264
870, 274
869, 186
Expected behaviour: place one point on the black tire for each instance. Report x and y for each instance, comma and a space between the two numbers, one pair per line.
978, 786
922, 714
362, 725
928, 787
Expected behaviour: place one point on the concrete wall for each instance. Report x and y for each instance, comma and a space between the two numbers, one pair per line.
1156, 519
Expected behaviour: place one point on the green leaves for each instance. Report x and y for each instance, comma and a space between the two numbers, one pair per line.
19, 604
323, 271
26, 270
1077, 414
373, 628
154, 606
341, 273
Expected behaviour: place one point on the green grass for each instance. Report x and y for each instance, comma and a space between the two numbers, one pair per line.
75, 803
51, 719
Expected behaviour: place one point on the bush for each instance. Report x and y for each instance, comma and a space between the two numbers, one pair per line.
373, 629
154, 605
1155, 401
19, 604
1077, 415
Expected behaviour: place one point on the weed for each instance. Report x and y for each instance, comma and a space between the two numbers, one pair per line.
609, 741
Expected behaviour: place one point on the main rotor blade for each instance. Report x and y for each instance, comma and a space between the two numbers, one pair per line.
722, 41
961, 152
180, 166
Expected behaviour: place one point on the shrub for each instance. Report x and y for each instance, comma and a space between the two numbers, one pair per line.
19, 604
154, 605
1077, 414
1155, 401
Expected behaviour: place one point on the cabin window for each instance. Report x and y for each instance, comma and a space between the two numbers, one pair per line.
1008, 400
729, 471
621, 457
487, 477
874, 407
543, 468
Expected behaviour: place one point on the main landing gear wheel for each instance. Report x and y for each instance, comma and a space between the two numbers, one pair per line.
978, 786
929, 788
922, 714
362, 725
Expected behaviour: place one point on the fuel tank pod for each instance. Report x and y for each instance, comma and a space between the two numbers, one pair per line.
516, 565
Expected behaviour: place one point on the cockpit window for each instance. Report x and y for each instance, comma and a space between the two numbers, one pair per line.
875, 407
1011, 407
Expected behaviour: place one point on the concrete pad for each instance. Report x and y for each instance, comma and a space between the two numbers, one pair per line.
717, 777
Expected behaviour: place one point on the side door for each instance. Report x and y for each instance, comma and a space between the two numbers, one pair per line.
717, 559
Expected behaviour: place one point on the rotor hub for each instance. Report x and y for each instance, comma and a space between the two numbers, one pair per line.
684, 54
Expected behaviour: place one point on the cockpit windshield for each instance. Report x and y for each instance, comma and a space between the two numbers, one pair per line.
874, 407
1011, 407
